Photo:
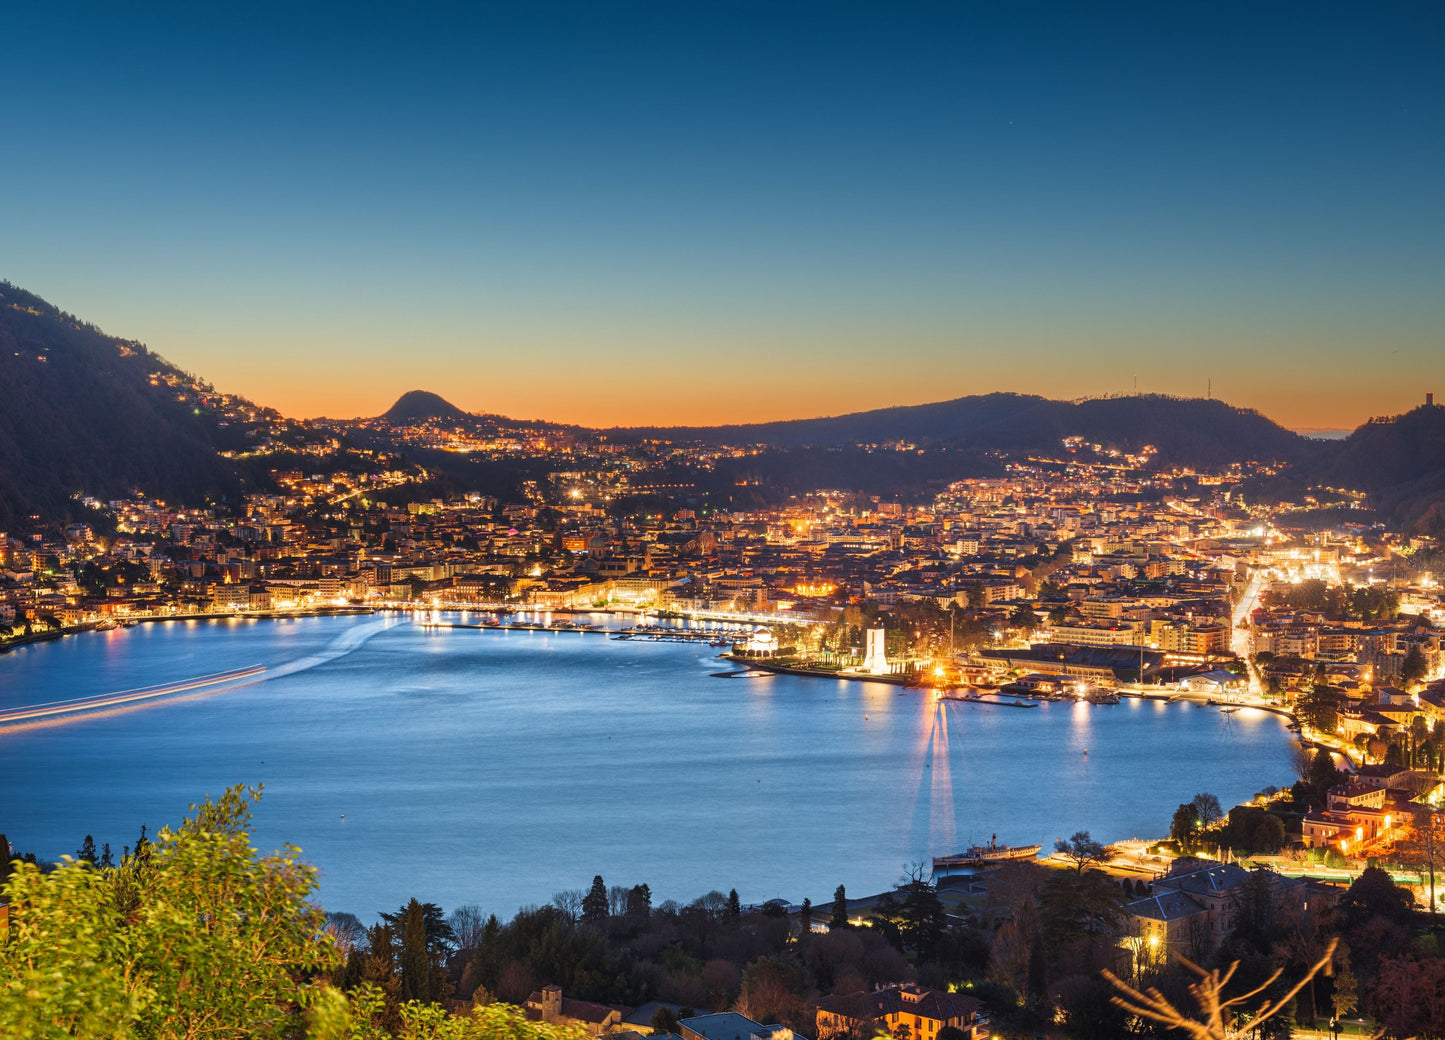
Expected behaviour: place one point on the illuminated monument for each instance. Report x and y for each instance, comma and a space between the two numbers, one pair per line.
875, 660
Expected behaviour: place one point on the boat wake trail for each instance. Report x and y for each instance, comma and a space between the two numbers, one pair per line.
58, 711
52, 713
348, 641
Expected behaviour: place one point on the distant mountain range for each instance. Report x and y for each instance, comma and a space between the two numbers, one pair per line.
87, 412
1189, 431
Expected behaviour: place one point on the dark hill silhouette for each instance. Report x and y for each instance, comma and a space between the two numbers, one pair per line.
97, 416
1189, 431
1399, 462
418, 405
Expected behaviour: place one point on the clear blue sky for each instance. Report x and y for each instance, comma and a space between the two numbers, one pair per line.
670, 211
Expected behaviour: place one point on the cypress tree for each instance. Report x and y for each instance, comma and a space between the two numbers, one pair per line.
840, 908
415, 965
595, 903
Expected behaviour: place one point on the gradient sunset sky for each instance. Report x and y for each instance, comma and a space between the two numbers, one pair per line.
669, 212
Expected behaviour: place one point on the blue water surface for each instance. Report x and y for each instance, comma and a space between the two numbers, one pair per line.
497, 768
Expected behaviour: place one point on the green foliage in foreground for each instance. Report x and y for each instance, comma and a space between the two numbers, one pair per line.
198, 937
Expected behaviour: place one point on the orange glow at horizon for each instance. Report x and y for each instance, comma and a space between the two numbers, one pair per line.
719, 401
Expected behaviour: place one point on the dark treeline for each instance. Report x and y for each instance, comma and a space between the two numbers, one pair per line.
1031, 942
1032, 948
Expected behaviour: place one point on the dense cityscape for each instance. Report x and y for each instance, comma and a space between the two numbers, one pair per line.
1090, 573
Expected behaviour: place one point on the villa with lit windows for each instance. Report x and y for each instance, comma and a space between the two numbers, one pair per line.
903, 1011
1189, 914
1356, 815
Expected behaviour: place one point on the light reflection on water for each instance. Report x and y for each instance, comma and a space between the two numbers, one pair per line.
501, 767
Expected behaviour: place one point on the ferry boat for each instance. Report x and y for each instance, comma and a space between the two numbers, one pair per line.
979, 855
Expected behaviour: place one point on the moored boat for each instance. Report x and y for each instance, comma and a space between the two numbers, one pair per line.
978, 855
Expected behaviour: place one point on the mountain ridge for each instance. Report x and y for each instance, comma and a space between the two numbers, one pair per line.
90, 413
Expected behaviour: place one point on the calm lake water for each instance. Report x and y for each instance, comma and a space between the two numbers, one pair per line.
465, 766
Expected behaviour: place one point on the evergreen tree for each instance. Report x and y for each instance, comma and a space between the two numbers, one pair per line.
86, 853
805, 916
106, 859
415, 967
486, 966
594, 903
440, 939
840, 908
734, 911
639, 903
1181, 827
142, 853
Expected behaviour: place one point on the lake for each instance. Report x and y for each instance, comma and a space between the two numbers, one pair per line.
497, 768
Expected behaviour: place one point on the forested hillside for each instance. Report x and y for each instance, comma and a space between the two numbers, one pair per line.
87, 413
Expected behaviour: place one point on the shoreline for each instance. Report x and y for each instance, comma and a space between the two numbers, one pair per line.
16, 642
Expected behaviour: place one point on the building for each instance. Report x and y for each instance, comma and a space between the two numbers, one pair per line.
1356, 814
1189, 914
729, 1025
903, 1011
548, 1005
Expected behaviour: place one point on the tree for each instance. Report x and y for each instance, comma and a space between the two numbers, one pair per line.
202, 936
466, 923
1324, 774
87, 853
1082, 849
805, 916
594, 903
1406, 997
1079, 910
1319, 709
1215, 1018
1206, 807
415, 968
1183, 824
921, 916
840, 908
1425, 846
1375, 894
734, 911
5, 861
440, 939
569, 901
639, 904
1346, 993
1413, 668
